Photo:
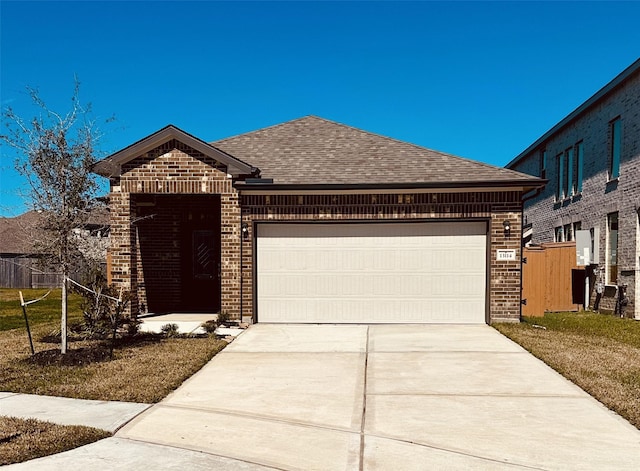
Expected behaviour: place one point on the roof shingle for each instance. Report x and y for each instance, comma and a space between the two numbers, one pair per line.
316, 151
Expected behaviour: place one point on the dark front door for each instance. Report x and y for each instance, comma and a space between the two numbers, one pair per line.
201, 260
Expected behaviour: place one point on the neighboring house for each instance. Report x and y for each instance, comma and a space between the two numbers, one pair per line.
592, 161
312, 221
20, 262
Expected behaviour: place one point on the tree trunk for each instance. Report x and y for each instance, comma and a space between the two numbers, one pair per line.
63, 322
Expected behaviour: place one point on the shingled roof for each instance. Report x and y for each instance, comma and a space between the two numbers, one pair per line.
17, 234
316, 151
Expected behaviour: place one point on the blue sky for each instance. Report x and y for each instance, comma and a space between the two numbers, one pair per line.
481, 80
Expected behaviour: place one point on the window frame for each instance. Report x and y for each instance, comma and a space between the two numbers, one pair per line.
560, 176
615, 151
569, 163
543, 163
558, 233
611, 269
577, 226
567, 232
578, 175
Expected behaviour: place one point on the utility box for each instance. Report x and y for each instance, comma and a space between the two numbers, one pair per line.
588, 247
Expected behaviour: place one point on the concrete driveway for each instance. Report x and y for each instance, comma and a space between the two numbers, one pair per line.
383, 397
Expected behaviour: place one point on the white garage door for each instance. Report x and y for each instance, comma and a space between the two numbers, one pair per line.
371, 272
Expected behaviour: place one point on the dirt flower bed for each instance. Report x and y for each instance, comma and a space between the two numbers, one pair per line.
599, 353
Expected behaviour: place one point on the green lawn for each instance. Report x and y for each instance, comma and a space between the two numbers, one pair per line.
43, 312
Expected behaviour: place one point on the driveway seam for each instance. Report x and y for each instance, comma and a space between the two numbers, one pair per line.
169, 445
453, 451
255, 416
364, 402
455, 394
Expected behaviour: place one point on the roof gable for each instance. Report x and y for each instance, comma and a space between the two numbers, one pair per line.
111, 166
316, 151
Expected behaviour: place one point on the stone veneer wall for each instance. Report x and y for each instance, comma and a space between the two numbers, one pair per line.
504, 289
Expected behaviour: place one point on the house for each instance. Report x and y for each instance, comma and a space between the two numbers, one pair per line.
19, 264
592, 161
21, 260
312, 221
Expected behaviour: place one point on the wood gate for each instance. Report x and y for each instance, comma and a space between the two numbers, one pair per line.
551, 280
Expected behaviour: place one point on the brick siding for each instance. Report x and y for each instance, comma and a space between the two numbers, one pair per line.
504, 286
176, 169
599, 197
172, 169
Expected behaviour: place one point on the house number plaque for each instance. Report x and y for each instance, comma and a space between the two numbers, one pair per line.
505, 255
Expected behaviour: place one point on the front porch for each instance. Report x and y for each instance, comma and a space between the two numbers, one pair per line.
188, 323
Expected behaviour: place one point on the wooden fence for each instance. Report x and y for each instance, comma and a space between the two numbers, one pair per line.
551, 280
25, 272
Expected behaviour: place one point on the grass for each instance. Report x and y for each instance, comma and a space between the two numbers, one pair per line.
26, 439
599, 353
42, 312
145, 368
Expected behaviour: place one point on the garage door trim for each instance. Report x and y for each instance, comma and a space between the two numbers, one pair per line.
256, 239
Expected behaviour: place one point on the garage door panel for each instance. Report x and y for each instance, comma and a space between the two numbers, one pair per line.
390, 272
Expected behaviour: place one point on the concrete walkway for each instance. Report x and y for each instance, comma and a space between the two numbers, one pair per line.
186, 323
105, 415
409, 397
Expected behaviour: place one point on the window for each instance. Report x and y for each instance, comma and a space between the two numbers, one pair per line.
568, 233
560, 174
594, 233
612, 249
616, 148
543, 163
577, 180
568, 185
577, 226
559, 234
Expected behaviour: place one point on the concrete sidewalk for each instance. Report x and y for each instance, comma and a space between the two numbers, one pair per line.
105, 415
410, 397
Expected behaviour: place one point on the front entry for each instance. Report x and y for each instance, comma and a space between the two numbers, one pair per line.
179, 250
201, 269
200, 256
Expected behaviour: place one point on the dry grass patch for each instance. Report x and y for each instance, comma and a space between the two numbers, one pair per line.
145, 368
22, 440
599, 353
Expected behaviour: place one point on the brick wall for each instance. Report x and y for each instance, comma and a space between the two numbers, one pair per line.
171, 169
599, 196
504, 288
175, 169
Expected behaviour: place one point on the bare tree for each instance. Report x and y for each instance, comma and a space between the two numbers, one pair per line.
55, 153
